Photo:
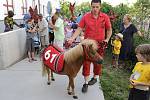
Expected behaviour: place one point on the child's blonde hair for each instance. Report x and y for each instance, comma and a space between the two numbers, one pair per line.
144, 50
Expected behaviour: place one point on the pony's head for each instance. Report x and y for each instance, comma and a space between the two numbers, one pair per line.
87, 50
90, 48
34, 13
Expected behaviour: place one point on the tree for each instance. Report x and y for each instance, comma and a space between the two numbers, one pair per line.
65, 9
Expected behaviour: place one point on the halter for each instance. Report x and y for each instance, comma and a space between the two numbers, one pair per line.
101, 47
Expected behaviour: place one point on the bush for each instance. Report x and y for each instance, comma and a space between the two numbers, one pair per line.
140, 40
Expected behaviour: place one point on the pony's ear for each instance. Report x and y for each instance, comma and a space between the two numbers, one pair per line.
74, 4
35, 10
30, 10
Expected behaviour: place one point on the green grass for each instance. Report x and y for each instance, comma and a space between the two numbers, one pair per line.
114, 82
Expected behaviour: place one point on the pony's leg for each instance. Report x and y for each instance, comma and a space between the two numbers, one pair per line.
52, 76
48, 77
72, 86
68, 88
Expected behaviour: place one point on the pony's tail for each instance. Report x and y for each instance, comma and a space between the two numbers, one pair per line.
44, 70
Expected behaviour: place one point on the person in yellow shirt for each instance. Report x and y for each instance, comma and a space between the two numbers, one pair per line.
140, 78
116, 43
10, 22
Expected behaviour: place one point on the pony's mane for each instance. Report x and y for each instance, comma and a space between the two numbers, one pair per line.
77, 51
73, 53
90, 41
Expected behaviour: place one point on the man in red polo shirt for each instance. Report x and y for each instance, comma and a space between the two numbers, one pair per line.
96, 26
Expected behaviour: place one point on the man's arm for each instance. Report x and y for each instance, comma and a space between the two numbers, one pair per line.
75, 34
17, 24
108, 35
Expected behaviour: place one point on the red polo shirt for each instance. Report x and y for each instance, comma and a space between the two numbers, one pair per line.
95, 27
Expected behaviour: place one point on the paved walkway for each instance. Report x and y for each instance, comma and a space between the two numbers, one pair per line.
24, 81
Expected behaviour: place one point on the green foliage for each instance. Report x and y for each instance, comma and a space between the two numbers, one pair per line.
106, 7
140, 40
65, 12
140, 10
83, 8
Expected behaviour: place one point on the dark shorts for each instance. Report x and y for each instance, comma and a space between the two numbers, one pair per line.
136, 94
30, 45
115, 57
51, 36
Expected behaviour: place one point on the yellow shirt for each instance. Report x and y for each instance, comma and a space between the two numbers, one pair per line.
10, 21
141, 73
117, 46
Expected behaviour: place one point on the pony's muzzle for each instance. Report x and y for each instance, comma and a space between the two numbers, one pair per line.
99, 61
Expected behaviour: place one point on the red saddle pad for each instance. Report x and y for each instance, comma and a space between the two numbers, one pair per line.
53, 57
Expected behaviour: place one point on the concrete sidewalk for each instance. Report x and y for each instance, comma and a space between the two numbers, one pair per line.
24, 81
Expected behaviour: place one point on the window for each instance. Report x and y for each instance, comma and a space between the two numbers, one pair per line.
9, 6
24, 7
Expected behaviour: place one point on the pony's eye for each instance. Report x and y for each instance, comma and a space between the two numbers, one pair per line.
93, 52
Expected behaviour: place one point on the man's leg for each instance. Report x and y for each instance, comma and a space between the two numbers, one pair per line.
86, 73
42, 38
97, 70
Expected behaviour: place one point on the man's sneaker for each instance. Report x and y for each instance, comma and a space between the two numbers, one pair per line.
84, 88
92, 81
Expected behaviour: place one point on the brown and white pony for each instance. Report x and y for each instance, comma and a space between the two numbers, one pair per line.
34, 13
73, 60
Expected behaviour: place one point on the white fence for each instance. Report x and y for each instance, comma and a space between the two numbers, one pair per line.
12, 47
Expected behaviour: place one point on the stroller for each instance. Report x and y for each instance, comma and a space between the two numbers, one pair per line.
37, 43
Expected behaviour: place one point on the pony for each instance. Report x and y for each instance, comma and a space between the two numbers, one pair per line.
34, 13
72, 8
73, 60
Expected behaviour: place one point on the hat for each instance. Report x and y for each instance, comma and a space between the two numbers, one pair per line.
27, 17
119, 35
10, 13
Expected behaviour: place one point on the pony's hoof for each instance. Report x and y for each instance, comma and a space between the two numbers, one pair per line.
48, 83
75, 97
53, 79
70, 93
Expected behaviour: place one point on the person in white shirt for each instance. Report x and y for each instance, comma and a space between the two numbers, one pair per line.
58, 30
43, 31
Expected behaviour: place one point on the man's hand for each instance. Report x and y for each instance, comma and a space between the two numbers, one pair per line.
70, 41
106, 40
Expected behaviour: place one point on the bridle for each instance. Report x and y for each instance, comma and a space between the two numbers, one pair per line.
101, 47
85, 53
